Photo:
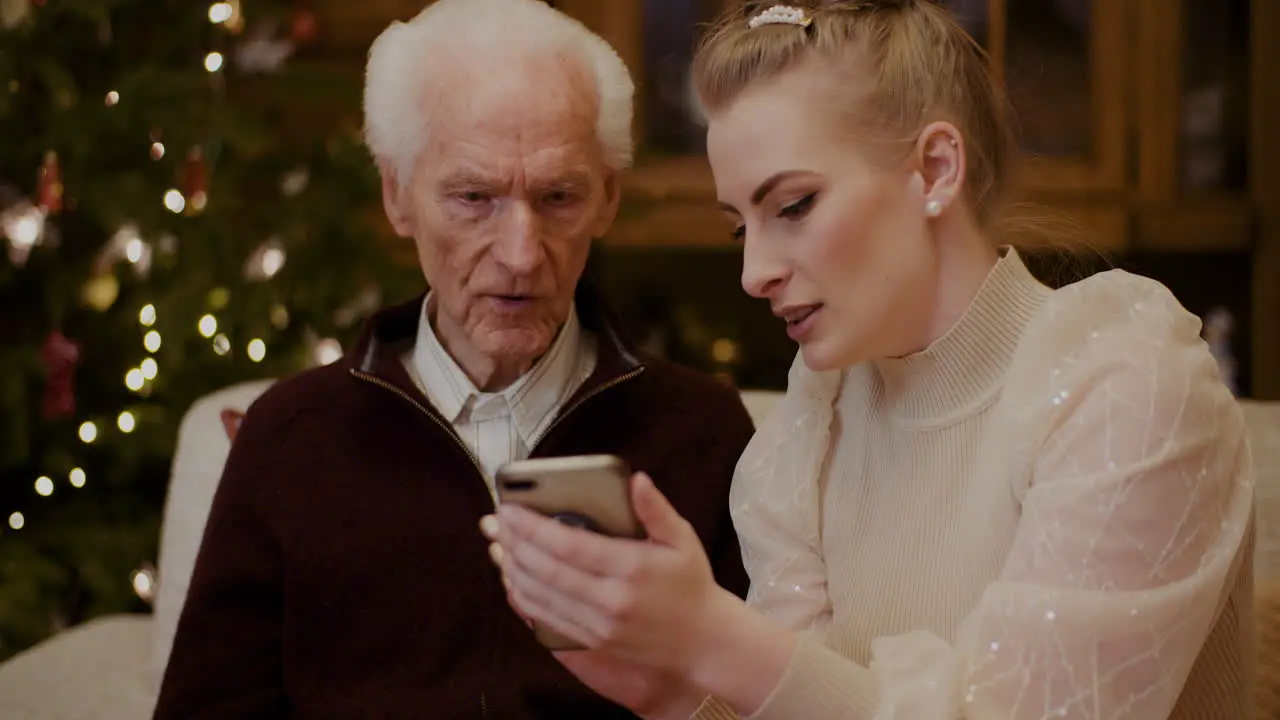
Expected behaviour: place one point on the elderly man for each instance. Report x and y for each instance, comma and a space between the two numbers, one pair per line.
342, 572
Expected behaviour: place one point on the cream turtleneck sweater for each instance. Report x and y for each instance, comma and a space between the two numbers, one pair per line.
1045, 514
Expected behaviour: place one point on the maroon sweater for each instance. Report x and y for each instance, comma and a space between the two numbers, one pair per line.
342, 572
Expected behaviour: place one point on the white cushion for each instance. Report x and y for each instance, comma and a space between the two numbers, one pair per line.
760, 403
197, 467
1263, 421
99, 670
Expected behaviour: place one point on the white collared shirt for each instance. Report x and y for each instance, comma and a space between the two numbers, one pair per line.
500, 427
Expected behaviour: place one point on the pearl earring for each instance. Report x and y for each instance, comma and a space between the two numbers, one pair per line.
933, 208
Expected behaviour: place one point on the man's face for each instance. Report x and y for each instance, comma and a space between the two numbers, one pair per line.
503, 203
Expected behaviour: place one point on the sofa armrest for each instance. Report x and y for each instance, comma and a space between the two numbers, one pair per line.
97, 670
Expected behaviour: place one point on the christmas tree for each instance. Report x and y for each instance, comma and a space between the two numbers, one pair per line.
171, 223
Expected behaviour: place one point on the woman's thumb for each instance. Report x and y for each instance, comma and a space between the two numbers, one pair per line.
661, 521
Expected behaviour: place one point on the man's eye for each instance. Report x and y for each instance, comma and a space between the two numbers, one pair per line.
472, 197
559, 198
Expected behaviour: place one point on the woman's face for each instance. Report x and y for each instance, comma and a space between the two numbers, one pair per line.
833, 226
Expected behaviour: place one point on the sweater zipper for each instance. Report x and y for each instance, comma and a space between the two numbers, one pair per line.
374, 379
568, 411
475, 462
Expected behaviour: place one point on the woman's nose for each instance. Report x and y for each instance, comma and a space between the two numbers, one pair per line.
762, 272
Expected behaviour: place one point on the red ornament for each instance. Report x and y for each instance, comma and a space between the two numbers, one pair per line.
304, 27
60, 356
195, 180
49, 184
231, 420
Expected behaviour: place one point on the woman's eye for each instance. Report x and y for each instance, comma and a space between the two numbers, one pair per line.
798, 208
739, 232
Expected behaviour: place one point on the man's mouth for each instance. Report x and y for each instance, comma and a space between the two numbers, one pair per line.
513, 301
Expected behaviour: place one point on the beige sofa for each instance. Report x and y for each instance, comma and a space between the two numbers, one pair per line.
109, 668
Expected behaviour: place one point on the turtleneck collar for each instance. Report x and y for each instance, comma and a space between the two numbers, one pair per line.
961, 371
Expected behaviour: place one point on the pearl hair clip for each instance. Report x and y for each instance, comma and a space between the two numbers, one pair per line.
780, 15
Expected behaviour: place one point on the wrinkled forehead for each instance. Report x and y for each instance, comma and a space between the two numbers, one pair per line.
540, 111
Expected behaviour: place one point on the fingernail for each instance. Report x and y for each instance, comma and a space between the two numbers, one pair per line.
489, 526
495, 553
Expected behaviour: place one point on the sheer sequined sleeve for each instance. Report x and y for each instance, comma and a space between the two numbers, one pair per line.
775, 503
1134, 515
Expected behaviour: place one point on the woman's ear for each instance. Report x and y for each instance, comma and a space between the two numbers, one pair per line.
392, 202
940, 159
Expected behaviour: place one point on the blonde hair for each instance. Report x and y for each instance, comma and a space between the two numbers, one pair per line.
899, 65
408, 56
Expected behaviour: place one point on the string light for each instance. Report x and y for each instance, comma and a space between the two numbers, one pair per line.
272, 261
174, 201
134, 380
147, 315
113, 97
219, 297
126, 422
157, 150
222, 344
151, 341
143, 582
77, 477
213, 62
149, 368
88, 432
207, 326
279, 316
328, 351
133, 250
257, 350
219, 12
24, 225
17, 521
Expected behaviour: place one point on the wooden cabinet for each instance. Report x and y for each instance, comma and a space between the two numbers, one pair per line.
1149, 121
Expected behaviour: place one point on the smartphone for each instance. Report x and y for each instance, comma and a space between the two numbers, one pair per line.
592, 492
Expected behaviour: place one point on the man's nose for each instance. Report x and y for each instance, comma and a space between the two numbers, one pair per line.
519, 244
763, 273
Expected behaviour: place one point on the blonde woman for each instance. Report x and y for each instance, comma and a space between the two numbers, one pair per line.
981, 498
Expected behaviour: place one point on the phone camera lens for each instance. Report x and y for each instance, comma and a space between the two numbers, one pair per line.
575, 520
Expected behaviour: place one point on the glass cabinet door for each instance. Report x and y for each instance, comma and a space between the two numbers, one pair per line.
1062, 65
671, 122
1214, 108
1048, 75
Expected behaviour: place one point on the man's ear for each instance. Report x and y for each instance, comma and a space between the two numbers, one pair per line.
940, 158
392, 202
612, 198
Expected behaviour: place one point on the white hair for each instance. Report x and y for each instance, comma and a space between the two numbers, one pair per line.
400, 70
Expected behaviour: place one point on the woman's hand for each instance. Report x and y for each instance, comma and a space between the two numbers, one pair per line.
649, 693
652, 602
653, 607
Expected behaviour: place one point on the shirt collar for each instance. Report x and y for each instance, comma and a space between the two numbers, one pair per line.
531, 401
